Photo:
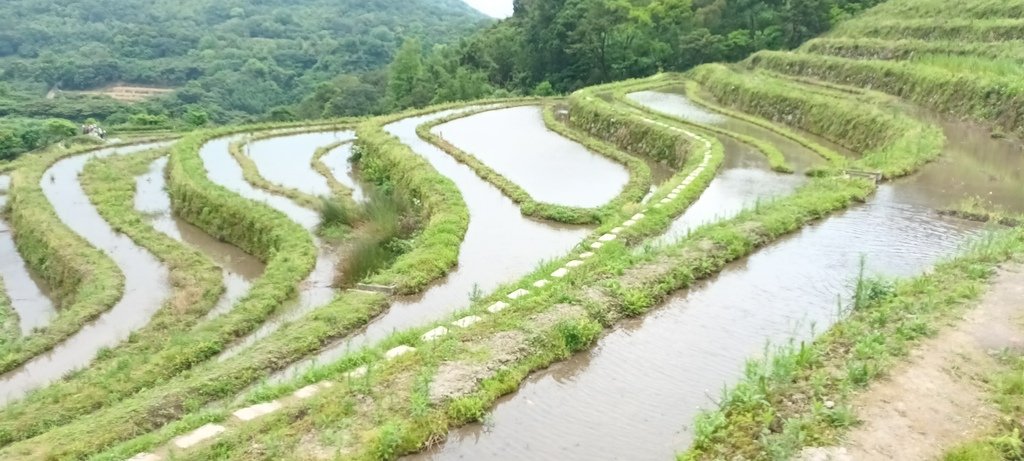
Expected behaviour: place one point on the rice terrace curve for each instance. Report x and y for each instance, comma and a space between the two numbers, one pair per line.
806, 254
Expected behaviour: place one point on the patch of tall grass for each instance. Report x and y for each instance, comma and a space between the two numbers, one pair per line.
947, 29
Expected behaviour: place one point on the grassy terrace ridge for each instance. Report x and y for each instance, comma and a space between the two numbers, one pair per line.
337, 188
617, 92
637, 187
892, 142
973, 9
884, 50
288, 251
990, 98
759, 418
9, 328
968, 30
656, 220
252, 174
84, 281
776, 160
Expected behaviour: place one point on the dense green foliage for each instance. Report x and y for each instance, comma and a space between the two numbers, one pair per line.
228, 57
19, 135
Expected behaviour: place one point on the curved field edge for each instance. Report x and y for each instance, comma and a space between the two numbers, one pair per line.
337, 188
637, 187
287, 248
84, 281
890, 141
776, 159
761, 417
251, 172
993, 99
656, 221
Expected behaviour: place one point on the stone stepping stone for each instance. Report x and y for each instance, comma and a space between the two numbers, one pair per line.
465, 322
587, 255
574, 263
198, 436
561, 272
541, 283
145, 457
398, 352
638, 217
629, 223
597, 245
434, 334
673, 196
666, 200
497, 307
607, 237
255, 411
518, 294
616, 231
313, 389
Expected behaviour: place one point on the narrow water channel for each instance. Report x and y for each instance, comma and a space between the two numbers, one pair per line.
29, 294
655, 373
239, 268
515, 143
286, 160
337, 160
317, 289
500, 246
146, 283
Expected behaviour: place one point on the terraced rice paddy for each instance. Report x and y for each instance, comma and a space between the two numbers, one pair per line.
573, 278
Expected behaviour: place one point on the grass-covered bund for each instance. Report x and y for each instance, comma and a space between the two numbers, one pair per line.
164, 381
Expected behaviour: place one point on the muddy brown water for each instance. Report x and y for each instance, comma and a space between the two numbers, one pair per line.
239, 268
29, 294
286, 160
500, 246
655, 373
515, 143
344, 171
678, 105
317, 288
146, 284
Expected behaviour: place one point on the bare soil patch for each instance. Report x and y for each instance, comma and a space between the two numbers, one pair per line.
938, 398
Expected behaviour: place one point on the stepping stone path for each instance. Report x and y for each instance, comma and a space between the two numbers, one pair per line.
255, 411
211, 431
197, 436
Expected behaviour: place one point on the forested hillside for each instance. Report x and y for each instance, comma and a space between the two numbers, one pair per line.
227, 58
573, 43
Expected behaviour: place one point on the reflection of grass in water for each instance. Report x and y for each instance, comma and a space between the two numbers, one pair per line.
383, 225
983, 210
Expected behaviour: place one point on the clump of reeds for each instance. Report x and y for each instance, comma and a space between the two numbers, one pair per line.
384, 224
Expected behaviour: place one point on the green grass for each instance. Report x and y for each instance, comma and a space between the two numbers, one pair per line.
880, 49
953, 29
759, 419
890, 141
84, 281
985, 97
9, 327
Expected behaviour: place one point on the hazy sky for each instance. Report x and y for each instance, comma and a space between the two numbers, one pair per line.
496, 8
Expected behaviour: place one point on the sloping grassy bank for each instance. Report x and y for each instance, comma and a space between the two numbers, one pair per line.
84, 282
638, 185
884, 50
9, 329
800, 395
952, 29
288, 250
892, 142
990, 98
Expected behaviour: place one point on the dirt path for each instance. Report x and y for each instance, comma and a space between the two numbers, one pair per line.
938, 398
